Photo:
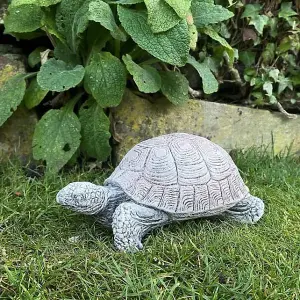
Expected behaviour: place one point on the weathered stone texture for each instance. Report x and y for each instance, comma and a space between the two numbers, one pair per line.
16, 133
229, 126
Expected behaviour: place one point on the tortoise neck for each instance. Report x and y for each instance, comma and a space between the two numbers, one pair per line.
115, 197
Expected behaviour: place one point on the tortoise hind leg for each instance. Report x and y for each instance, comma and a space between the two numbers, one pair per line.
132, 221
249, 210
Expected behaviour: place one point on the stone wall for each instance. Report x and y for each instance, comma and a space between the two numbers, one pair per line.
230, 126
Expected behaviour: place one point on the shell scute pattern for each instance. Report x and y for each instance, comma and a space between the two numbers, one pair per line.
180, 173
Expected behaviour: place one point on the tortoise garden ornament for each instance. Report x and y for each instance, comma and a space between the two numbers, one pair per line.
169, 178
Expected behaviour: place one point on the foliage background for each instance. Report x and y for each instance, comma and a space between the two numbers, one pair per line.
243, 52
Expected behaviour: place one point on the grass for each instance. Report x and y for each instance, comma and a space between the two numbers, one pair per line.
48, 252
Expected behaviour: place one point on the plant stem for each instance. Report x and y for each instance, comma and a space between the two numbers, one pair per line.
29, 75
69, 107
117, 48
50, 37
150, 61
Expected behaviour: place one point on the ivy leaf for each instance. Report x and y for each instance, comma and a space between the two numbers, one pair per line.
259, 22
161, 16
295, 79
105, 79
56, 75
175, 87
273, 25
146, 78
251, 10
284, 82
268, 54
286, 10
210, 83
11, 94
289, 43
171, 46
272, 99
247, 58
181, 7
35, 2
274, 73
34, 94
268, 87
215, 36
205, 13
23, 18
56, 138
95, 130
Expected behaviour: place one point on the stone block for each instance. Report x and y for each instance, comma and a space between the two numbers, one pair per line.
232, 127
17, 132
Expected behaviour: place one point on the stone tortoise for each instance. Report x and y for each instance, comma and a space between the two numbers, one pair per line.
168, 178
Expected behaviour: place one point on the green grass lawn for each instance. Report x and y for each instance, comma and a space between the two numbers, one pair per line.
48, 252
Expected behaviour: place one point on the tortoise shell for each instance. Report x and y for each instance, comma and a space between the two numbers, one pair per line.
180, 174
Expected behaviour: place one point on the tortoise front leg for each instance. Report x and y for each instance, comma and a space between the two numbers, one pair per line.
131, 222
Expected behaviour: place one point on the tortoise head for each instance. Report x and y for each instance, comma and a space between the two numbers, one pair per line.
83, 197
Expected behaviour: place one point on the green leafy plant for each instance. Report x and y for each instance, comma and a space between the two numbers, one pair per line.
271, 35
99, 47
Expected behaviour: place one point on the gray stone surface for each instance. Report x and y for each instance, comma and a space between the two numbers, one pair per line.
16, 133
169, 178
229, 126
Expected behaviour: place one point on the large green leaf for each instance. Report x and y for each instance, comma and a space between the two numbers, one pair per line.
96, 38
180, 6
105, 79
11, 94
126, 2
49, 25
56, 138
23, 18
193, 36
64, 53
161, 16
210, 83
100, 12
95, 130
73, 21
56, 75
205, 13
35, 2
34, 94
146, 78
247, 58
171, 46
175, 87
67, 14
